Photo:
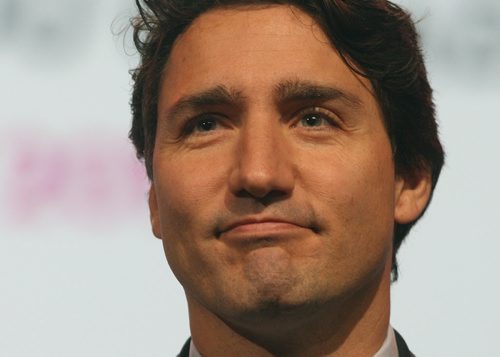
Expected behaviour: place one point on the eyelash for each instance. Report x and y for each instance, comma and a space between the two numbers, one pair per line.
191, 125
326, 115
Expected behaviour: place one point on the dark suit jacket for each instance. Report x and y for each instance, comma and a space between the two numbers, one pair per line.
402, 347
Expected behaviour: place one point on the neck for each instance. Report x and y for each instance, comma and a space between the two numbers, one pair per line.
355, 326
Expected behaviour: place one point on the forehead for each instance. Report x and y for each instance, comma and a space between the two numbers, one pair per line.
251, 48
250, 20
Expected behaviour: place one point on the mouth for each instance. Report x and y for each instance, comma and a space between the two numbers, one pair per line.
261, 229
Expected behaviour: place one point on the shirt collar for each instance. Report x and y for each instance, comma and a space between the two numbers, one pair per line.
193, 351
389, 347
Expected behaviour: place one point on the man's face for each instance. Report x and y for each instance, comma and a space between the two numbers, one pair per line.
274, 182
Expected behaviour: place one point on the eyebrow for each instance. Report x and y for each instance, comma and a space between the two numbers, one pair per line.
218, 95
298, 90
287, 91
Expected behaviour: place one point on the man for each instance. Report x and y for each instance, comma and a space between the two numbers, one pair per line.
290, 146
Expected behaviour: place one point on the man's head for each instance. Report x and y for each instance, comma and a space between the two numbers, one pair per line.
376, 40
290, 147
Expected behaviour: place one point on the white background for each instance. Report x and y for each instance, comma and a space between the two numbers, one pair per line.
81, 274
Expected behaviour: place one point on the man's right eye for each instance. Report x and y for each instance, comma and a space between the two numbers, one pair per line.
202, 124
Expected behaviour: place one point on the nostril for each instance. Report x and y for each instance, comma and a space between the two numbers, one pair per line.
274, 196
264, 197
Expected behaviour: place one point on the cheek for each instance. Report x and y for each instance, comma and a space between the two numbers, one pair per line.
182, 202
354, 203
187, 190
355, 191
188, 195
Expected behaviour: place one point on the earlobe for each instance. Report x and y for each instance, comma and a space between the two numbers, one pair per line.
412, 195
154, 213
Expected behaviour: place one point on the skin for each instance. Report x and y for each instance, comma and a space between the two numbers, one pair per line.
274, 189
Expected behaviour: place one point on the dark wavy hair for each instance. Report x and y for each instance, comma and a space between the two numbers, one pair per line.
376, 38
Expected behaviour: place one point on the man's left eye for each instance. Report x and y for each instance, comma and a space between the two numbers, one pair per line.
206, 124
316, 117
313, 120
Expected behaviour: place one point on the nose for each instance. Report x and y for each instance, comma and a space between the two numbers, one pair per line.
263, 165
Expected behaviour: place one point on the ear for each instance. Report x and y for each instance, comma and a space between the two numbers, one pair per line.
412, 195
154, 214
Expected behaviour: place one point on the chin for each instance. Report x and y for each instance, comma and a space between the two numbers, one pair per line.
274, 303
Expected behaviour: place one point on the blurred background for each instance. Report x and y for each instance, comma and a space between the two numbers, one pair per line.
82, 275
